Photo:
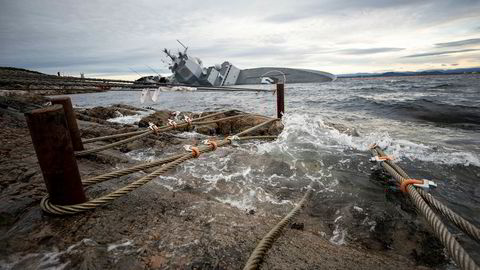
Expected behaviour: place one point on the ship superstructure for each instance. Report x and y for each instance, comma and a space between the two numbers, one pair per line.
189, 70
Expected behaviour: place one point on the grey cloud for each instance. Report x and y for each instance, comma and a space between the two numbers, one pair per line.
308, 9
426, 11
472, 41
369, 50
110, 35
440, 53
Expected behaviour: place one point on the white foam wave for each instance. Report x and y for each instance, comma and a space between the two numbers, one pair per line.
142, 155
303, 132
129, 119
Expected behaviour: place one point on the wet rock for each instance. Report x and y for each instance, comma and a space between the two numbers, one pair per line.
297, 226
157, 262
279, 168
204, 263
25, 176
159, 118
128, 107
209, 129
129, 262
430, 252
106, 112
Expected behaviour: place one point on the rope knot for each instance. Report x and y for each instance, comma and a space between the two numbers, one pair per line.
153, 127
172, 123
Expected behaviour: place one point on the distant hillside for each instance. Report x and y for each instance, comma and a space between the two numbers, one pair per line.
475, 70
7, 71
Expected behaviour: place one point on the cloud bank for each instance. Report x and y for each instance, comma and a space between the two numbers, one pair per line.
110, 37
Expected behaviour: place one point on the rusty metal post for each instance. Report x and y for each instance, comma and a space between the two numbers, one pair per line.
280, 100
51, 140
71, 121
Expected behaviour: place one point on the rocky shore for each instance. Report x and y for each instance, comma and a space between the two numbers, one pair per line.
154, 227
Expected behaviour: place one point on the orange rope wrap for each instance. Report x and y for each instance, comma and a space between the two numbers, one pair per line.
213, 144
195, 152
384, 158
407, 182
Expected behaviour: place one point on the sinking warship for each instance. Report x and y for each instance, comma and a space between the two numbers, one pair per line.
189, 70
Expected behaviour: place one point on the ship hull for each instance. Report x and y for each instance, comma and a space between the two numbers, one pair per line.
292, 75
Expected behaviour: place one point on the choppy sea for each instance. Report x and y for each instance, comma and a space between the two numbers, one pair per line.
430, 124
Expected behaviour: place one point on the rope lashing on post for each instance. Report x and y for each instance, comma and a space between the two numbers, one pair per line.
456, 251
52, 208
256, 257
173, 125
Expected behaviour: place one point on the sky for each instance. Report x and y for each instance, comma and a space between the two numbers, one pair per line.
112, 39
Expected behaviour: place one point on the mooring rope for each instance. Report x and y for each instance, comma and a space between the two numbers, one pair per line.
114, 136
146, 133
111, 145
49, 207
456, 251
120, 135
141, 167
256, 257
462, 223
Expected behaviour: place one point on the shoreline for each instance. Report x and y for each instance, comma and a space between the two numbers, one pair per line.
154, 226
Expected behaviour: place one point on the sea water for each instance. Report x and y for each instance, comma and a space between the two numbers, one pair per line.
430, 124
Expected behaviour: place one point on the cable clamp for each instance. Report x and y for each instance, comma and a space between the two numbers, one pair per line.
172, 123
380, 159
427, 184
153, 127
233, 138
421, 183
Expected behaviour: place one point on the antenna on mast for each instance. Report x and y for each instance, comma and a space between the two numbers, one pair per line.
135, 72
185, 47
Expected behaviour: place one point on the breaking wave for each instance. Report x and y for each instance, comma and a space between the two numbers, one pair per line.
307, 133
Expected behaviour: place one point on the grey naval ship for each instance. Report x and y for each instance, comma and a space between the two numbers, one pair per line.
190, 70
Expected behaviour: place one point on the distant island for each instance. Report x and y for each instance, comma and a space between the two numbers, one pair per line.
475, 70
